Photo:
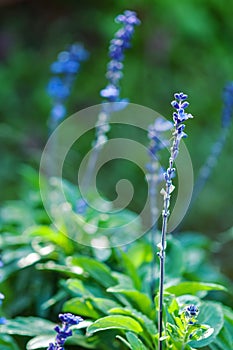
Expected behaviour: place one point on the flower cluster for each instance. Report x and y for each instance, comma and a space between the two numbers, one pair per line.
192, 311
65, 69
64, 331
118, 44
228, 104
179, 117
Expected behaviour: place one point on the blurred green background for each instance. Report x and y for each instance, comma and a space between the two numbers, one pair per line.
180, 46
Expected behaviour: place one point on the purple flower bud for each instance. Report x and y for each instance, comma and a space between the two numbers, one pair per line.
175, 104
111, 93
184, 105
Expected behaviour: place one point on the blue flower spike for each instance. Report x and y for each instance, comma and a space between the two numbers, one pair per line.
111, 93
64, 70
228, 105
64, 331
179, 117
118, 45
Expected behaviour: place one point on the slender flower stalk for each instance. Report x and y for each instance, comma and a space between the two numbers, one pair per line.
64, 331
154, 177
64, 71
179, 117
218, 145
111, 93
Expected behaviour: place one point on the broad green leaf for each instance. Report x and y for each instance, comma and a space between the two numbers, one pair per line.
7, 343
71, 271
77, 287
82, 307
145, 322
115, 322
48, 234
140, 252
97, 270
193, 288
137, 299
135, 342
41, 341
130, 269
29, 326
174, 266
211, 314
104, 305
224, 339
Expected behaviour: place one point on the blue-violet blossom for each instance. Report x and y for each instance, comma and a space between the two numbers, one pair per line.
118, 45
212, 159
64, 69
64, 331
227, 104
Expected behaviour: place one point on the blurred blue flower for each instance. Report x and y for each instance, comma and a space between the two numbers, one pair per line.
64, 331
64, 69
227, 104
212, 159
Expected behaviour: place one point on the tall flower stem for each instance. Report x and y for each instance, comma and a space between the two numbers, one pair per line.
154, 177
178, 117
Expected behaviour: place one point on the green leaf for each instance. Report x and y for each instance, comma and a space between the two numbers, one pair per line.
130, 269
193, 288
77, 287
224, 339
211, 314
174, 266
115, 322
29, 326
145, 322
97, 270
82, 307
41, 341
7, 343
104, 305
140, 252
138, 300
135, 341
